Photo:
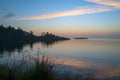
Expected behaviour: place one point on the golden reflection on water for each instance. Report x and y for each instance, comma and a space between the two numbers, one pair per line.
73, 63
104, 70
99, 54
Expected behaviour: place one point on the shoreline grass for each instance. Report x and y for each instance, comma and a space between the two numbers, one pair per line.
42, 68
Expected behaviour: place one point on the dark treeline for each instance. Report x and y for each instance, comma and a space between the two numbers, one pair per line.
49, 37
11, 37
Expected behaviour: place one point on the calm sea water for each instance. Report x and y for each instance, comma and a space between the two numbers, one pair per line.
102, 54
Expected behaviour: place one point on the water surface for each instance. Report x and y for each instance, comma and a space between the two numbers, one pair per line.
101, 54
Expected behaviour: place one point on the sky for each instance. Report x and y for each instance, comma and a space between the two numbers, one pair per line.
69, 18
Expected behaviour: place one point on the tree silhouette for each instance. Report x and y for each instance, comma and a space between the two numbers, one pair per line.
9, 36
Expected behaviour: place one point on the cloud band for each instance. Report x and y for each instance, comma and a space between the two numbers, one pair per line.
106, 5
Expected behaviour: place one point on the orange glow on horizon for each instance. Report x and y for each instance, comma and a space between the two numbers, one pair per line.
73, 31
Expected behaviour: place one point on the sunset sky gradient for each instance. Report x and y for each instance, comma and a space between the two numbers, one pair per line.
69, 18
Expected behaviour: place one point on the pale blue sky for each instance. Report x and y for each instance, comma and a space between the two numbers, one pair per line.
91, 18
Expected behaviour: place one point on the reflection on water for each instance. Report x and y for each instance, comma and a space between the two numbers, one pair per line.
48, 44
103, 55
12, 47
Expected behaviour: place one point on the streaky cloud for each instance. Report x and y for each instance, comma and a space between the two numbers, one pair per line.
5, 13
114, 3
9, 15
78, 11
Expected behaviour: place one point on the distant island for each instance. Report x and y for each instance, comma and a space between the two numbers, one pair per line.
80, 38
